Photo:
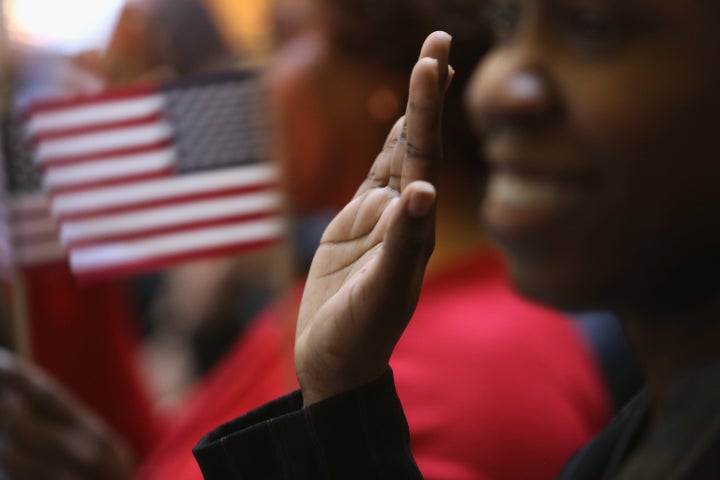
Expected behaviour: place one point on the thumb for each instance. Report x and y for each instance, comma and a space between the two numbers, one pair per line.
420, 200
410, 238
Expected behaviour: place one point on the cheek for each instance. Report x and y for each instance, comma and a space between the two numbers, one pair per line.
654, 143
636, 114
615, 119
648, 138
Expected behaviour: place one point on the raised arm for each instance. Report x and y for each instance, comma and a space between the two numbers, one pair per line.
366, 275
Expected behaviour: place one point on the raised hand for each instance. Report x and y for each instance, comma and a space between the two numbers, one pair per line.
45, 434
366, 275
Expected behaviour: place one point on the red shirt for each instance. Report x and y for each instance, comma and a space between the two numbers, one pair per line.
494, 387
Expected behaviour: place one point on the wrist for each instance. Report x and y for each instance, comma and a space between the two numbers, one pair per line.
314, 392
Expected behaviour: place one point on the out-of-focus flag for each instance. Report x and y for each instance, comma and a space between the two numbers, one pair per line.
55, 318
32, 235
148, 177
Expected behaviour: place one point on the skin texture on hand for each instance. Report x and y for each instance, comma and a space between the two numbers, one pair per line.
46, 434
366, 275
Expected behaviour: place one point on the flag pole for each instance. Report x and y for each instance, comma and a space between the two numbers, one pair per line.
17, 312
19, 318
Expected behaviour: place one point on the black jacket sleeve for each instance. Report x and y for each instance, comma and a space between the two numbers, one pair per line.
601, 457
361, 434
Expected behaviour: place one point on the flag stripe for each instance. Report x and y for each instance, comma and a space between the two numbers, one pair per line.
35, 235
87, 259
79, 112
81, 146
68, 132
159, 262
140, 177
109, 155
96, 213
170, 229
173, 216
163, 192
64, 102
144, 163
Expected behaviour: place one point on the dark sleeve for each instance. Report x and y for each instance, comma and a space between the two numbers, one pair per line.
602, 456
361, 434
593, 460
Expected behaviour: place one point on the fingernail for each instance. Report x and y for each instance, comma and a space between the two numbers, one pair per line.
422, 200
431, 61
447, 35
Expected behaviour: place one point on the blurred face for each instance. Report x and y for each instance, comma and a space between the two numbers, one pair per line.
601, 121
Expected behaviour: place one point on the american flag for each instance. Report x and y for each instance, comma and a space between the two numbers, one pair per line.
147, 177
30, 235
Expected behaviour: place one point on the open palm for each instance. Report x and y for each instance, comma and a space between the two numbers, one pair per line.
365, 278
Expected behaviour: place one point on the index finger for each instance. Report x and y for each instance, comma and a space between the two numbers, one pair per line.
423, 150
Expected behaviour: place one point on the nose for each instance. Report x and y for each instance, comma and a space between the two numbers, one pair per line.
512, 87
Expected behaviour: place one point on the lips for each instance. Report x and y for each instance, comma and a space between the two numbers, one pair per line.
522, 203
